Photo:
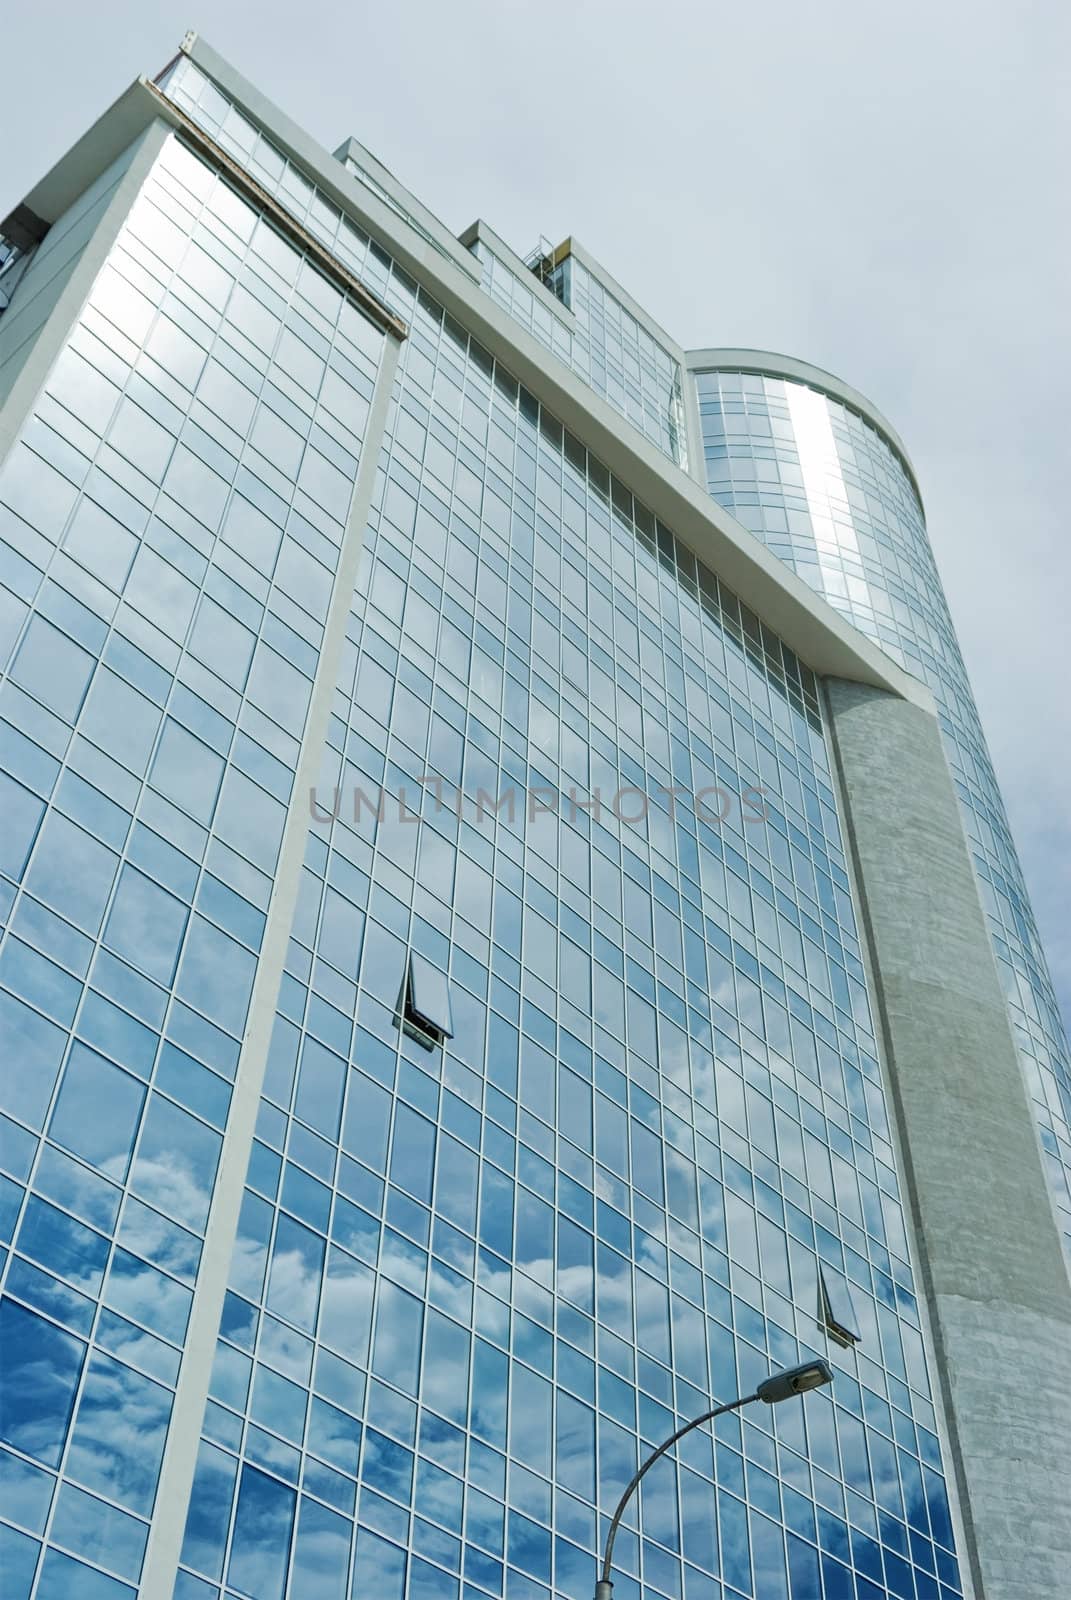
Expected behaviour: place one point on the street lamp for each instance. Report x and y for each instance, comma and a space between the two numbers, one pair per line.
778, 1386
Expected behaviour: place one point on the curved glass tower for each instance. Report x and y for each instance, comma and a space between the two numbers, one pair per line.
822, 479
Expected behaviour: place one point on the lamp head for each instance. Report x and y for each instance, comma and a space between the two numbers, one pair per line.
796, 1380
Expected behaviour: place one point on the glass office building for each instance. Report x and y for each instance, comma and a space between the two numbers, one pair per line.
439, 1038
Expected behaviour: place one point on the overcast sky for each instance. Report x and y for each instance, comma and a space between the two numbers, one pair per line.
881, 191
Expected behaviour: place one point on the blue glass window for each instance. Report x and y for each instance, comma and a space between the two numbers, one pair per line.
42, 1366
209, 1513
216, 975
399, 1326
72, 872
97, 1112
101, 543
412, 1159
367, 1121
279, 1404
446, 1366
387, 1466
22, 813
53, 668
61, 1577
150, 1296
63, 1246
334, 1435
346, 1313
18, 1562
321, 1552
838, 1312
26, 1490
260, 1547
321, 1080
33, 1048
101, 1533
187, 771
175, 1168
379, 1568
118, 1438
296, 1271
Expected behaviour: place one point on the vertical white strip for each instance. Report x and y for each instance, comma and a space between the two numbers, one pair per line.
822, 479
183, 1440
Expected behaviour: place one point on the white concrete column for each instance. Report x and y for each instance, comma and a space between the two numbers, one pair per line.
988, 1253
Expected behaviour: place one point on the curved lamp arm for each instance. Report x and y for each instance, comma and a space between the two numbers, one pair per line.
778, 1386
604, 1588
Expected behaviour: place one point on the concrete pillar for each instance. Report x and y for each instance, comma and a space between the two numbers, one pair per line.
988, 1252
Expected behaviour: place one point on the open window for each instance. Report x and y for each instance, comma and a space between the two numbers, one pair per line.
835, 1310
426, 1002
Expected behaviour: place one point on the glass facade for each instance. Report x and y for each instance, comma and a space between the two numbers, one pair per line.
467, 1288
621, 360
171, 518
832, 497
517, 290
602, 342
474, 1277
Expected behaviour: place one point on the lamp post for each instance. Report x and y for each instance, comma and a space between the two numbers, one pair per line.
778, 1386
